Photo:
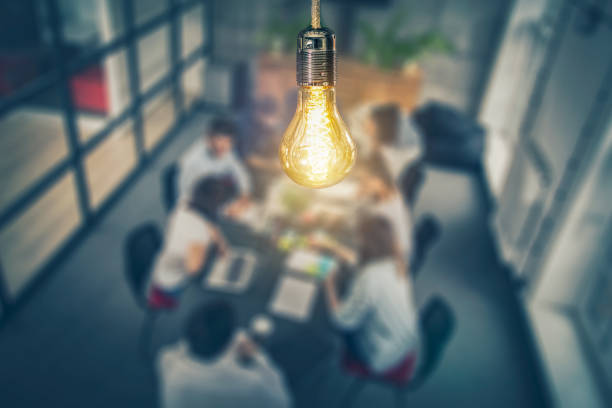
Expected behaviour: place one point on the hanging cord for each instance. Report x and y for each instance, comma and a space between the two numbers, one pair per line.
315, 14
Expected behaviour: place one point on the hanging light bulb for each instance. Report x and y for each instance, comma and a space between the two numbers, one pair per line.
316, 150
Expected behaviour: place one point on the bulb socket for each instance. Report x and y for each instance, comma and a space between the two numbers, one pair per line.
316, 57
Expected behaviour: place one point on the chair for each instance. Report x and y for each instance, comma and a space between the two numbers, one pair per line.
169, 181
141, 246
411, 180
427, 232
437, 324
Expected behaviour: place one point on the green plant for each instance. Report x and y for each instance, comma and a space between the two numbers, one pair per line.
281, 34
387, 50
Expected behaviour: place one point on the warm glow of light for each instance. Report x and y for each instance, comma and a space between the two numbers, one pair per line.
317, 149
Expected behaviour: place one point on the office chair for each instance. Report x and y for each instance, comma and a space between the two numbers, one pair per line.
427, 232
169, 182
411, 180
141, 246
437, 324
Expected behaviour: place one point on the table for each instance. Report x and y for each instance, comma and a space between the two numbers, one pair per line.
295, 346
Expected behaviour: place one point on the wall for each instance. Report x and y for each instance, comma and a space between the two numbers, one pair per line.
473, 25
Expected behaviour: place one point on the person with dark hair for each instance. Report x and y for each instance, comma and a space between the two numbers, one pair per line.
378, 316
218, 366
393, 135
214, 155
191, 232
378, 186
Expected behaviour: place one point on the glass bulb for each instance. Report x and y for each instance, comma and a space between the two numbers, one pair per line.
317, 150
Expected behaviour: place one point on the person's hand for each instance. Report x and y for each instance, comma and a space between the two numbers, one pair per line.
219, 240
246, 350
237, 207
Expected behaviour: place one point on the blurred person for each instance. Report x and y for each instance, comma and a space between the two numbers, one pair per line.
214, 155
392, 134
378, 316
191, 233
264, 136
218, 366
378, 185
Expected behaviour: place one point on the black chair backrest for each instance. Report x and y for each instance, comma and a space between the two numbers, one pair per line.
427, 232
169, 180
411, 181
437, 324
141, 246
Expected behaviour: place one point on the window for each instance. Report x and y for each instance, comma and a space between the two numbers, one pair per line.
110, 162
192, 82
158, 117
99, 93
33, 141
153, 57
30, 239
192, 32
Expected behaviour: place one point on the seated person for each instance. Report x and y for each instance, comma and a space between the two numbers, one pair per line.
386, 201
218, 366
378, 316
213, 155
190, 234
265, 135
393, 135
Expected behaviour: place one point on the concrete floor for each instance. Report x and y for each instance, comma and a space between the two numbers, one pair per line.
74, 343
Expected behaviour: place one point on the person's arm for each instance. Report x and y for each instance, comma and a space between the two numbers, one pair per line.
350, 313
343, 252
241, 175
195, 258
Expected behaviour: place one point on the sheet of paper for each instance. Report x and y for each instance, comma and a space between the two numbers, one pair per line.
293, 298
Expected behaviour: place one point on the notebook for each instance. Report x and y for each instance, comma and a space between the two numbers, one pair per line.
293, 298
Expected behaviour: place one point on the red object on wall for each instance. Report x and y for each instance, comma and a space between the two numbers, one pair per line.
88, 90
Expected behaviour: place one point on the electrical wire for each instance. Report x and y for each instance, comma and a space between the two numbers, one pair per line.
315, 13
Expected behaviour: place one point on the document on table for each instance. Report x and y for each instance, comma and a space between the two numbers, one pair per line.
311, 263
293, 298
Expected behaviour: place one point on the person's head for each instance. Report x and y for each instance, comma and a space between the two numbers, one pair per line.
210, 328
383, 124
376, 179
376, 239
221, 135
210, 194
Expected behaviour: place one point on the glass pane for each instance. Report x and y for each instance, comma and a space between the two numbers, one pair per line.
100, 92
191, 30
153, 57
145, 10
110, 162
26, 53
193, 82
29, 240
32, 140
158, 118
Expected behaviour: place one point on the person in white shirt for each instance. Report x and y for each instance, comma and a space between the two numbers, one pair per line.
190, 234
378, 317
218, 366
393, 135
214, 155
378, 186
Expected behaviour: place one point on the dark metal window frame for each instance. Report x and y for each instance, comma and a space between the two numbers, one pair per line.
78, 151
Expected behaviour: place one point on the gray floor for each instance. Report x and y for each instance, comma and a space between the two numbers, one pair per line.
73, 344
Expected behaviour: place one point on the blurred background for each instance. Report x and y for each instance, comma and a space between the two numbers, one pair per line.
511, 99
